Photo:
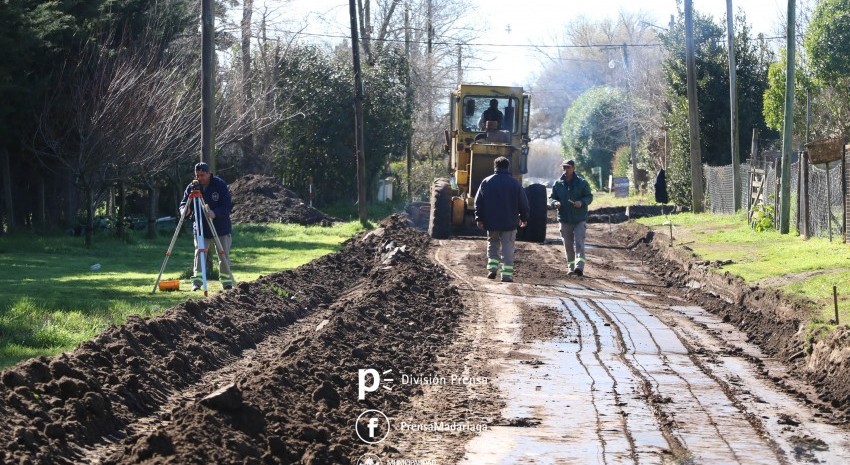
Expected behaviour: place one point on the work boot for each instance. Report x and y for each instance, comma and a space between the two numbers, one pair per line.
227, 287
579, 272
507, 279
491, 274
196, 287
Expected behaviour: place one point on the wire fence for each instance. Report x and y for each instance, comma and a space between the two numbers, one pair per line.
826, 205
826, 217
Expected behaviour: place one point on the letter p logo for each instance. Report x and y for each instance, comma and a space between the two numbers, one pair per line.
362, 387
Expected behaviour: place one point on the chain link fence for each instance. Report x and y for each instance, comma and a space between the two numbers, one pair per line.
826, 204
826, 207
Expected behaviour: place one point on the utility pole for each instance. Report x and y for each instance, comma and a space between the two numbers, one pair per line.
409, 96
630, 122
358, 117
787, 127
697, 204
459, 64
207, 83
733, 109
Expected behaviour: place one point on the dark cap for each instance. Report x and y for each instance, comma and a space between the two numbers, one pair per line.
569, 162
202, 167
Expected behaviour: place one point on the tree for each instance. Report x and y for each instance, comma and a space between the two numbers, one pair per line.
319, 140
592, 54
594, 128
827, 42
712, 69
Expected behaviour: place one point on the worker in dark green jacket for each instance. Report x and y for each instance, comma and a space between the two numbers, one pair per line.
571, 195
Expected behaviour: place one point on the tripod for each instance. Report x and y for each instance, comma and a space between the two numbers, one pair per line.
199, 207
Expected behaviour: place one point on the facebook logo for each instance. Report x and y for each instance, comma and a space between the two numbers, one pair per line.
372, 426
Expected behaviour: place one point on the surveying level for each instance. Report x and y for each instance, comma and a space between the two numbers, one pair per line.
200, 209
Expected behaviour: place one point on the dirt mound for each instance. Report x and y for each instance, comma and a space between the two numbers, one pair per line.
623, 214
262, 199
380, 302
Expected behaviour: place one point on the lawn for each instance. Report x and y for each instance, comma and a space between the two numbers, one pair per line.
808, 268
603, 199
52, 298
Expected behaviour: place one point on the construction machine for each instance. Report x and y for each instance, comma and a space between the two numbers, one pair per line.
477, 136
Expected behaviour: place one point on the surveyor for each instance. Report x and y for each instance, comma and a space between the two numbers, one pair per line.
500, 205
571, 195
218, 205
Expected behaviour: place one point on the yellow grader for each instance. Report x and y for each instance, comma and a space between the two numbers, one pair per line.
472, 144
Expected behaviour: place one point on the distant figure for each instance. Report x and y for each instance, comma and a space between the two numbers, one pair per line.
500, 205
571, 195
491, 114
661, 187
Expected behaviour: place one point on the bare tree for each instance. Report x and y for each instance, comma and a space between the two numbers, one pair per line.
615, 52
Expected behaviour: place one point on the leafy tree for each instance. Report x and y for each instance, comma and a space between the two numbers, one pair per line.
712, 76
594, 128
774, 96
319, 140
827, 42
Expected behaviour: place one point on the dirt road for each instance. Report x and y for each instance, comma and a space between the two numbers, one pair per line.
397, 351
615, 368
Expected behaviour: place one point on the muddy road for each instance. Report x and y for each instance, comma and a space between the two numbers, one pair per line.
619, 367
397, 350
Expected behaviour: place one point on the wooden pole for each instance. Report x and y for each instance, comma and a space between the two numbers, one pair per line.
697, 203
409, 96
754, 150
835, 302
358, 117
630, 122
733, 109
788, 126
207, 84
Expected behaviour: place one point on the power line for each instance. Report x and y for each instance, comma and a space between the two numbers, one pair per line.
475, 44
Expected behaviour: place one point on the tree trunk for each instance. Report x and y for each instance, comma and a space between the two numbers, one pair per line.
8, 202
121, 213
153, 201
89, 216
41, 201
250, 162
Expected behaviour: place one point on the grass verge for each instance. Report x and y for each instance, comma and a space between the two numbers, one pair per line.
52, 299
807, 268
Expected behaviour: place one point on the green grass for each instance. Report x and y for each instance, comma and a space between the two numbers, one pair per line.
807, 268
606, 199
52, 300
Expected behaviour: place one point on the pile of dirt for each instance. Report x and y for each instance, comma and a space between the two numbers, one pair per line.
263, 199
623, 214
774, 321
381, 304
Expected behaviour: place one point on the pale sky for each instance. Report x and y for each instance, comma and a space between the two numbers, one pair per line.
530, 22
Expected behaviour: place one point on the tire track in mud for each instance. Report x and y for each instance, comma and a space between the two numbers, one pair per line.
593, 398
684, 427
646, 381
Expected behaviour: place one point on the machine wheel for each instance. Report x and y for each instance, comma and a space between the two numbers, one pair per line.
535, 231
440, 219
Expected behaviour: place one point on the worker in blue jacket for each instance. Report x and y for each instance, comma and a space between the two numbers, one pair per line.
217, 198
501, 206
571, 195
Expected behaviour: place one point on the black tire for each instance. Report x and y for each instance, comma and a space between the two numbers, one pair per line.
535, 230
440, 219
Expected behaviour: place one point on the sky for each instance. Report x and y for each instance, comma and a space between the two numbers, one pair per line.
528, 22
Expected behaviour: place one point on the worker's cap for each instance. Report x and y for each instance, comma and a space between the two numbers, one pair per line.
569, 162
202, 167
